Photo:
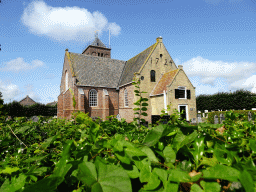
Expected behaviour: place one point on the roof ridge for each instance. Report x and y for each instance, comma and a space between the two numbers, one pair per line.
70, 64
153, 48
84, 55
141, 52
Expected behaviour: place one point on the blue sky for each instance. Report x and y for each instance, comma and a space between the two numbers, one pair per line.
214, 40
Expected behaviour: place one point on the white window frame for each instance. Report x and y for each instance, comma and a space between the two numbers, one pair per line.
92, 95
126, 104
185, 89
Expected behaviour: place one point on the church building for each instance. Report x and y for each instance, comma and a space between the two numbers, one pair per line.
102, 86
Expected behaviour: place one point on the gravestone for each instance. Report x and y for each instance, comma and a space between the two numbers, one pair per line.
216, 120
249, 116
193, 120
8, 118
222, 118
199, 119
34, 119
118, 117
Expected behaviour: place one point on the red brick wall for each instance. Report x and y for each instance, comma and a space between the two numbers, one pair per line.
60, 106
93, 50
126, 112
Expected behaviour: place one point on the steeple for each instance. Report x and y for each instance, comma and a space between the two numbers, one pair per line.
97, 48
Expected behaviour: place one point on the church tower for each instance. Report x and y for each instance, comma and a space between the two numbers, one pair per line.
97, 48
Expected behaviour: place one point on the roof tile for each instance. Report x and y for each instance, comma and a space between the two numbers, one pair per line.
165, 80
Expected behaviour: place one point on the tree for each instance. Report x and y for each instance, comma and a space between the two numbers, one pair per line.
3, 111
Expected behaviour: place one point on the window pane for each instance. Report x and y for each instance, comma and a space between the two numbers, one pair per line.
152, 75
182, 93
93, 98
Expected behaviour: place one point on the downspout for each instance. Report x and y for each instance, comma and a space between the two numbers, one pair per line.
165, 106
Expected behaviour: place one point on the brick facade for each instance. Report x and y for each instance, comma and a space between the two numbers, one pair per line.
98, 51
111, 101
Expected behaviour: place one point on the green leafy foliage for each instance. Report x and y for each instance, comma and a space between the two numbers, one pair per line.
85, 155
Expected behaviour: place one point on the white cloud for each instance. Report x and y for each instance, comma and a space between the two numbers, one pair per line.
114, 29
210, 70
233, 75
245, 83
18, 65
65, 23
9, 91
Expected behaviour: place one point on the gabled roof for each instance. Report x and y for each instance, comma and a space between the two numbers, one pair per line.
134, 65
27, 99
97, 42
165, 80
96, 71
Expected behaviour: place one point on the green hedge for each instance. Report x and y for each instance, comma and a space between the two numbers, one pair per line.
211, 115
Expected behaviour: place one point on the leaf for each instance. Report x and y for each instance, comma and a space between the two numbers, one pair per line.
199, 149
16, 184
247, 181
208, 161
219, 154
169, 154
221, 172
131, 170
210, 186
173, 187
62, 167
21, 130
107, 178
153, 136
145, 170
10, 170
134, 152
180, 140
162, 174
252, 144
153, 182
48, 142
37, 158
178, 176
39, 171
196, 188
48, 184
149, 153
123, 157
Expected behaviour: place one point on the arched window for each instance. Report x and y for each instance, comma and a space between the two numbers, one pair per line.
125, 98
66, 81
93, 98
153, 76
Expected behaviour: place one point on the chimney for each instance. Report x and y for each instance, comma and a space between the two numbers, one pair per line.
159, 39
180, 67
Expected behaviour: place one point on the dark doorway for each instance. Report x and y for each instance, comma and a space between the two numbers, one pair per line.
155, 118
183, 116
